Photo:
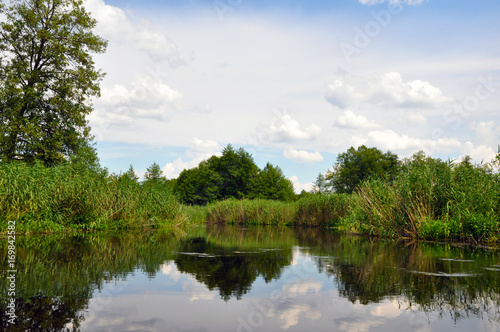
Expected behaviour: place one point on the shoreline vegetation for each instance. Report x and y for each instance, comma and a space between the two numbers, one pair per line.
427, 199
51, 180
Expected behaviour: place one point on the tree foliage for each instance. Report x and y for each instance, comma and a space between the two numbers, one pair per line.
47, 80
232, 175
271, 183
354, 166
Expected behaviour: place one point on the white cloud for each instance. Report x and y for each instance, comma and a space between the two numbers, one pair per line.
390, 140
302, 156
200, 150
478, 153
486, 133
416, 119
298, 187
352, 121
115, 25
387, 89
203, 148
144, 98
285, 128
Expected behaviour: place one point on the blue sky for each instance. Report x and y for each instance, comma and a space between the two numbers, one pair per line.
295, 82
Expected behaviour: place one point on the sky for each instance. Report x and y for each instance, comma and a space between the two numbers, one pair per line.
295, 82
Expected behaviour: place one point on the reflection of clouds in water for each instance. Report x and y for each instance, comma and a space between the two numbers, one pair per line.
360, 318
389, 309
170, 269
359, 324
196, 291
120, 319
304, 287
290, 316
308, 291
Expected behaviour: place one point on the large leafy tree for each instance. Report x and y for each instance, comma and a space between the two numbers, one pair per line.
232, 175
47, 80
356, 165
271, 183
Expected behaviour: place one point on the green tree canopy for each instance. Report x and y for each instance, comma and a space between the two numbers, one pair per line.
271, 183
47, 80
232, 175
354, 166
153, 173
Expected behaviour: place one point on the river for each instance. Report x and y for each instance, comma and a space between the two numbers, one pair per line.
230, 278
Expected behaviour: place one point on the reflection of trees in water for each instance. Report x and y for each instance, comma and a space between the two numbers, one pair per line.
441, 279
57, 275
230, 271
43, 313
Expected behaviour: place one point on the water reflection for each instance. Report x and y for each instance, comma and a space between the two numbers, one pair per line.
256, 279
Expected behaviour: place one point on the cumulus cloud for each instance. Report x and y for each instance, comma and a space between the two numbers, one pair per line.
144, 98
390, 140
387, 89
199, 150
302, 156
128, 95
285, 128
479, 153
115, 25
486, 133
298, 187
352, 121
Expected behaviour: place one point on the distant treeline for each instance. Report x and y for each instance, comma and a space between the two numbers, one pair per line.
367, 192
418, 197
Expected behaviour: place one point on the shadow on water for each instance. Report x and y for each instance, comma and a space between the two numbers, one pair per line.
57, 276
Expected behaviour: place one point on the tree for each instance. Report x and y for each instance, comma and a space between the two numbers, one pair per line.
130, 173
47, 80
271, 183
238, 172
153, 173
354, 166
322, 185
232, 175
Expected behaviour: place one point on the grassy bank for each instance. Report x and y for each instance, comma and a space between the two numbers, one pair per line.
428, 199
432, 201
42, 199
311, 210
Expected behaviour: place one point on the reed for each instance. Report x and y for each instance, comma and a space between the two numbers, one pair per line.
429, 200
326, 210
42, 199
257, 211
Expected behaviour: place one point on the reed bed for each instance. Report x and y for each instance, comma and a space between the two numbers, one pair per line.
257, 212
432, 201
42, 199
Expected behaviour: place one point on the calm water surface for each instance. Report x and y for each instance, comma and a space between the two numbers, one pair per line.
250, 279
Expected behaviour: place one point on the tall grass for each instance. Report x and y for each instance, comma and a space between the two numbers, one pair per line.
430, 200
321, 210
311, 210
257, 211
72, 197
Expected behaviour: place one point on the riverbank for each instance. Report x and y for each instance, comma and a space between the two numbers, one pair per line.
428, 201
72, 197
434, 202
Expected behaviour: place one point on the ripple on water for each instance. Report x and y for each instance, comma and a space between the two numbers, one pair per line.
443, 274
457, 260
